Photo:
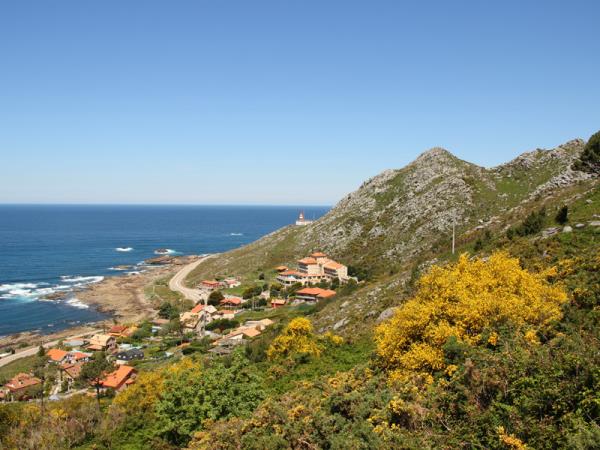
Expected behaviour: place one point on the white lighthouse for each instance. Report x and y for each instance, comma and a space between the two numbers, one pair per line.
301, 220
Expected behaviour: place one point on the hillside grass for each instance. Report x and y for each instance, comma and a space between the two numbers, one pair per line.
11, 369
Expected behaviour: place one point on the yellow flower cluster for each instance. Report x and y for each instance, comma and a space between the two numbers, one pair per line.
297, 338
509, 440
464, 300
333, 339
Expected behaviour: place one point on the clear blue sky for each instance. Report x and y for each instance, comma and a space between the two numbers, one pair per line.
282, 102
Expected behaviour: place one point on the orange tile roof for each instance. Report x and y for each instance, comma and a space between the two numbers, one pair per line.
78, 355
326, 293
231, 301
73, 370
281, 268
116, 379
317, 292
318, 255
117, 329
333, 265
211, 282
290, 273
307, 261
56, 354
196, 309
22, 381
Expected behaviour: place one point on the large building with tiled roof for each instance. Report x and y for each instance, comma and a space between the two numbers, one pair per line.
313, 269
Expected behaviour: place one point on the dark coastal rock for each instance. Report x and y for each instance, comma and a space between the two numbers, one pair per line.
159, 260
56, 295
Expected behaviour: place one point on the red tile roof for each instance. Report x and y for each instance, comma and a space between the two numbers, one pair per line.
231, 301
307, 261
117, 329
73, 370
316, 292
56, 354
291, 273
22, 381
116, 379
78, 355
196, 309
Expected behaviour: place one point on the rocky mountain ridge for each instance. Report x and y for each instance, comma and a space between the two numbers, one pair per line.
395, 216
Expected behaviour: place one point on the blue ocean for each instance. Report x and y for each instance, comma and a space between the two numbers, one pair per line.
51, 248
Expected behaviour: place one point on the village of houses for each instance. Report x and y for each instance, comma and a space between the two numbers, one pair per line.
217, 321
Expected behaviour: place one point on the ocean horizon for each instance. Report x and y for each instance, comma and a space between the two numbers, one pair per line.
47, 248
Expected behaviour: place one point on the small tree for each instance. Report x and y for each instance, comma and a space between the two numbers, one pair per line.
94, 371
563, 215
176, 327
589, 161
167, 310
39, 371
215, 298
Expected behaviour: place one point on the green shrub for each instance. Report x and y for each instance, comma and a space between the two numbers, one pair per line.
589, 161
562, 216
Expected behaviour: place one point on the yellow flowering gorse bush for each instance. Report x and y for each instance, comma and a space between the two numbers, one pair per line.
464, 300
297, 338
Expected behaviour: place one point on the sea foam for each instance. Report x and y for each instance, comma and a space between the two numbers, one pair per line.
76, 303
80, 280
124, 249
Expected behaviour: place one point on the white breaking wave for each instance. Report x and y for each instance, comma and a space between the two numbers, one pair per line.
44, 291
81, 280
62, 287
76, 303
236, 234
21, 293
134, 272
124, 249
11, 287
118, 268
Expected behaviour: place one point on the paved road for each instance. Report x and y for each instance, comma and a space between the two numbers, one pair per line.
177, 283
33, 350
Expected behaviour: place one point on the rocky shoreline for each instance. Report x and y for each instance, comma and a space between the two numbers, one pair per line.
121, 296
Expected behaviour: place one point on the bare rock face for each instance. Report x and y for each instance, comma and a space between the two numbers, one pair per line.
400, 209
386, 314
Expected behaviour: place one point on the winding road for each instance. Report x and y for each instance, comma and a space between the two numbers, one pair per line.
177, 283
